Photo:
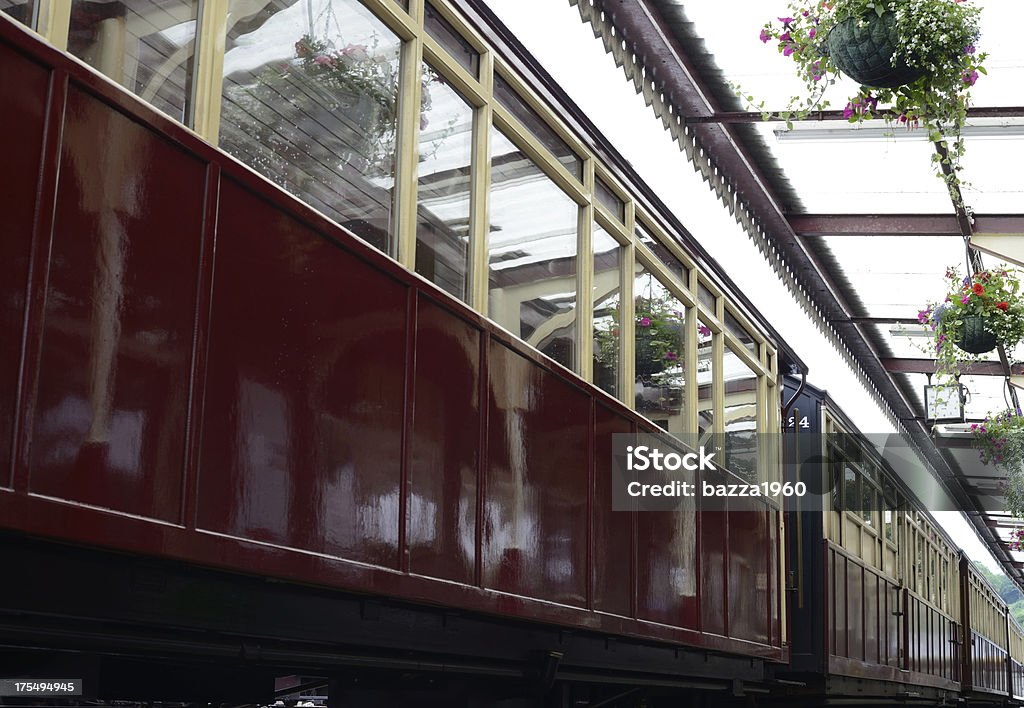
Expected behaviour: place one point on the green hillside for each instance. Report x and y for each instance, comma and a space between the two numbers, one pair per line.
1007, 590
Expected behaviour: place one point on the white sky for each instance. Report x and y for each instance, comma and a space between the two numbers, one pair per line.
553, 32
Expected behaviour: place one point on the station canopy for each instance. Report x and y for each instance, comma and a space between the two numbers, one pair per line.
865, 227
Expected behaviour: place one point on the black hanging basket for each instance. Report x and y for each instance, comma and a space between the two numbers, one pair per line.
863, 49
974, 338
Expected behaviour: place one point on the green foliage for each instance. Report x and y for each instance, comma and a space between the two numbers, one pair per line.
993, 295
659, 335
935, 36
1000, 442
1006, 589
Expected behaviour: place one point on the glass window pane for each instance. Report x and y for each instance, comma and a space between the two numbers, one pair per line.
736, 329
607, 310
310, 102
532, 253
507, 96
868, 504
21, 10
146, 47
609, 199
662, 253
660, 353
851, 497
705, 295
705, 380
446, 149
740, 417
449, 38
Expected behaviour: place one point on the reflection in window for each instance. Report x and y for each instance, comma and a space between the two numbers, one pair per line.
740, 417
737, 330
705, 381
852, 494
21, 10
836, 483
609, 199
660, 352
532, 253
449, 38
446, 147
508, 97
607, 310
705, 295
867, 507
662, 253
310, 102
146, 47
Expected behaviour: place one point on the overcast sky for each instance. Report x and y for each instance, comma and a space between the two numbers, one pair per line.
553, 32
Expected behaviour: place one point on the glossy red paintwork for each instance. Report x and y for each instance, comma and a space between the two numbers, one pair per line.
614, 543
302, 424
881, 630
227, 378
445, 460
109, 428
535, 498
21, 140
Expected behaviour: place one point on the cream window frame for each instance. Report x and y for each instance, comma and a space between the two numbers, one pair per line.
53, 19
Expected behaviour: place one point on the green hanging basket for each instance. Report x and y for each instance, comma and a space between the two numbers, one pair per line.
863, 48
975, 338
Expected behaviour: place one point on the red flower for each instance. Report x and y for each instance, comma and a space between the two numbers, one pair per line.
1004, 306
979, 288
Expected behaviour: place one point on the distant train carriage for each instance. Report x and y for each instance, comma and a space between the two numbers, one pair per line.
882, 602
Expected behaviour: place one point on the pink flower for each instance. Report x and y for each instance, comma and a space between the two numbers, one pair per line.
765, 36
671, 356
971, 78
645, 321
324, 60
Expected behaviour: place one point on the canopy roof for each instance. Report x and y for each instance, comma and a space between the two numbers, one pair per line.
853, 216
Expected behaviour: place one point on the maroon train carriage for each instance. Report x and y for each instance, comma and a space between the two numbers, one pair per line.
285, 453
244, 445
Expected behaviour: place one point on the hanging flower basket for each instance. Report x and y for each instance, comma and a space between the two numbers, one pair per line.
975, 337
863, 49
916, 63
978, 313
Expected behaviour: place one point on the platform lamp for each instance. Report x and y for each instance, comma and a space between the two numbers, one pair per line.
944, 403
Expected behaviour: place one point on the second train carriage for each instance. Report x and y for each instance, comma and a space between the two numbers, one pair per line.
882, 602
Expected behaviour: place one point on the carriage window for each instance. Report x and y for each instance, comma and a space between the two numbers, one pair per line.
442, 215
609, 199
706, 376
508, 97
739, 331
532, 247
662, 253
607, 310
705, 295
449, 38
660, 346
740, 417
851, 495
146, 47
21, 10
310, 101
